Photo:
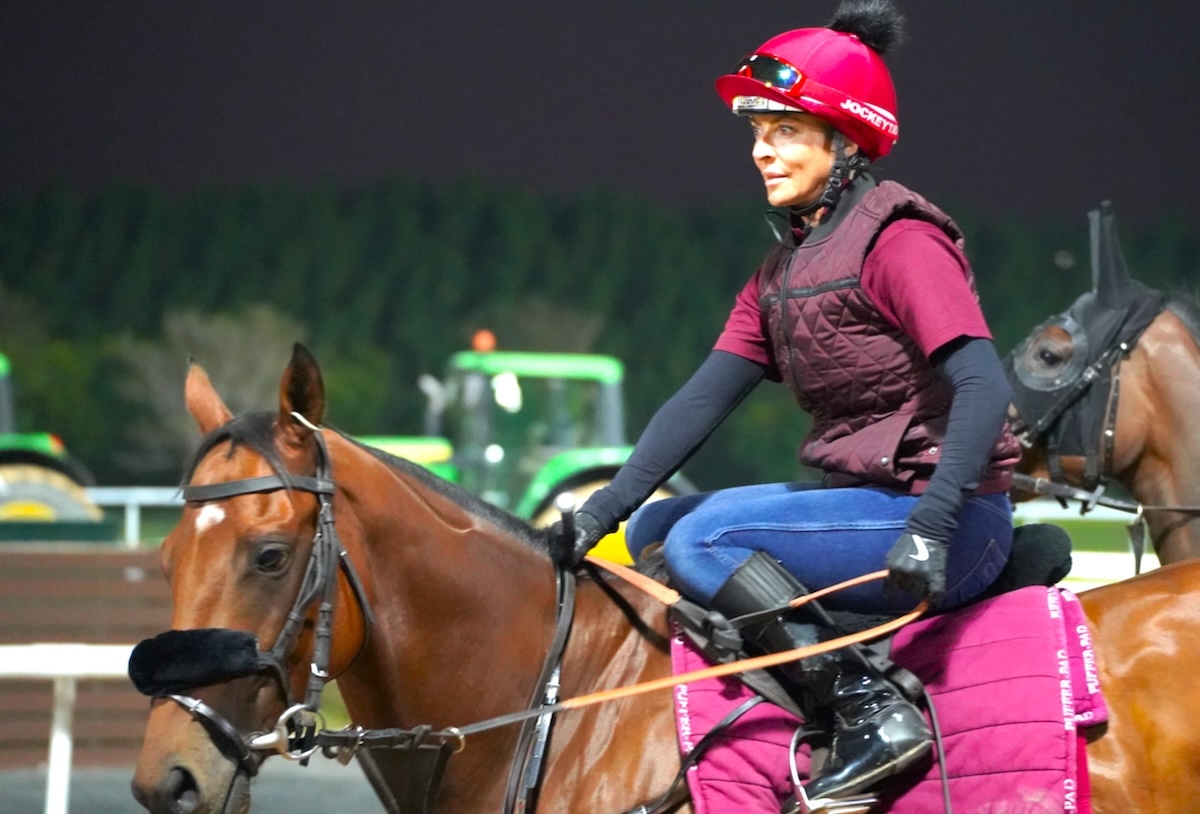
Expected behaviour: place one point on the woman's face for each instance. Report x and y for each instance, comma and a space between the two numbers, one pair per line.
794, 153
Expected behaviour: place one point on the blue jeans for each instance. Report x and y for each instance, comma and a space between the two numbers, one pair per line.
822, 536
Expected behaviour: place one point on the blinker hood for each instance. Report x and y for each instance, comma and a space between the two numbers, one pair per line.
1115, 311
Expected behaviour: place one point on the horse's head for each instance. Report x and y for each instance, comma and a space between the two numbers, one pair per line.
251, 551
1060, 373
1046, 363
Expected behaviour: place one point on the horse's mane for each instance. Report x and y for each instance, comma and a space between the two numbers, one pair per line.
256, 430
1186, 306
510, 523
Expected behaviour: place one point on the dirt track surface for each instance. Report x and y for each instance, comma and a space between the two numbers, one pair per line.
281, 788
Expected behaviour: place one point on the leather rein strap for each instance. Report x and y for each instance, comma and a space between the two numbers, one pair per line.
433, 748
1089, 500
525, 773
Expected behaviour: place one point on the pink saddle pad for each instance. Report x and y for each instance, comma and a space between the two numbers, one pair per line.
1012, 679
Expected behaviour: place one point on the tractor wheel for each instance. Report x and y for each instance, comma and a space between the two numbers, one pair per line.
611, 547
33, 493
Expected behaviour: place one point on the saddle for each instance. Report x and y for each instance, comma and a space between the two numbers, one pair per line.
970, 661
1041, 555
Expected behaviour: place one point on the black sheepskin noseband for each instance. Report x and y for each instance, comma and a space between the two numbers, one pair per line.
178, 660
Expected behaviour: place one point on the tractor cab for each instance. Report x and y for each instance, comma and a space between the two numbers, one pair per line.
521, 428
522, 421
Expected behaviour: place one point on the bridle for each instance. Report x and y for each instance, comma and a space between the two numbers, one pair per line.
294, 733
1046, 426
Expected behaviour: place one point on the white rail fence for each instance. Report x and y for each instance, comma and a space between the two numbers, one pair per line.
64, 664
1090, 568
132, 499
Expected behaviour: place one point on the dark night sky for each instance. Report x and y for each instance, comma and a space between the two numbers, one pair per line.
1038, 108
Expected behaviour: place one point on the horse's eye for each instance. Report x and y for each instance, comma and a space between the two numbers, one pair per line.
1049, 357
271, 559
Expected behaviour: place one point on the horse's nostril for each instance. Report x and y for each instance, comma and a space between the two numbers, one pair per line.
182, 793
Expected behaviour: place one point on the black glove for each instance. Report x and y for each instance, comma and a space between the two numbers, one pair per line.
917, 566
588, 532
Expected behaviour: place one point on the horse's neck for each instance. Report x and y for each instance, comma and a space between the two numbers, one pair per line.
1160, 407
450, 592
620, 636
465, 617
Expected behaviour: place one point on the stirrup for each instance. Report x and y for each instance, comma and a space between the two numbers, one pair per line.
800, 804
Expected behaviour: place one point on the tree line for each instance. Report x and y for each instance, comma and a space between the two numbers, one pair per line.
104, 297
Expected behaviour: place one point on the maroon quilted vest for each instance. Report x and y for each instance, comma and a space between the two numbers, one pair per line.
879, 409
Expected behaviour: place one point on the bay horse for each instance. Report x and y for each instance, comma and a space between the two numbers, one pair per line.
440, 612
1110, 389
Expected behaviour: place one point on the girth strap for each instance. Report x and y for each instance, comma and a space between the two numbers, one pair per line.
677, 791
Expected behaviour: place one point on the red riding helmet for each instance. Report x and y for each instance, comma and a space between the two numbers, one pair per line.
833, 75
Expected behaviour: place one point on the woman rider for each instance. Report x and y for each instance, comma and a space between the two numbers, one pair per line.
867, 311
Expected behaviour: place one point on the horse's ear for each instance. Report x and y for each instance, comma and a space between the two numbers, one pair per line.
1110, 275
203, 401
302, 391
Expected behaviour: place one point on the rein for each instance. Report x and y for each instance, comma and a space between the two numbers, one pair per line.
716, 671
1091, 499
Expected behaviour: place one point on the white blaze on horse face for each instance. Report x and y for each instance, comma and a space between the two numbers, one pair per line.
208, 517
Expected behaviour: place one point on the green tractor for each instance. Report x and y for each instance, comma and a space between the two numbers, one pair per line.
519, 429
40, 482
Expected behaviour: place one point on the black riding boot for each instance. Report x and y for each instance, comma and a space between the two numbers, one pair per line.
877, 732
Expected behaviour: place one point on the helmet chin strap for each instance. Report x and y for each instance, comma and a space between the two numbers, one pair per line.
845, 168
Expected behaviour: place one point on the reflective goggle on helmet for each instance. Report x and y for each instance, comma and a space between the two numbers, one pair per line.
830, 74
772, 72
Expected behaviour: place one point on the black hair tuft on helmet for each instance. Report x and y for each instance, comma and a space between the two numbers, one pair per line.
878, 23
